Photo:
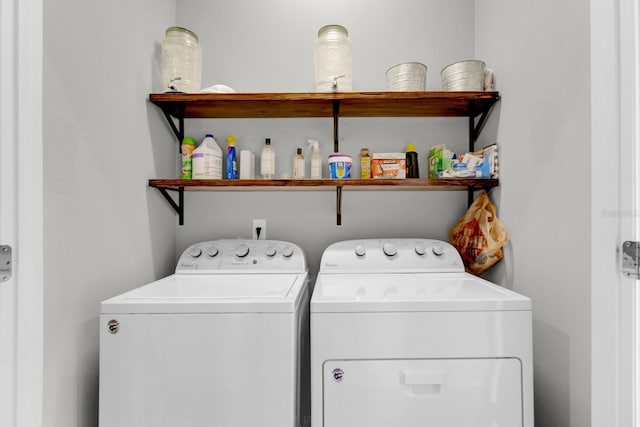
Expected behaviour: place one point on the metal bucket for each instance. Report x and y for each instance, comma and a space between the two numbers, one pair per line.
407, 77
464, 76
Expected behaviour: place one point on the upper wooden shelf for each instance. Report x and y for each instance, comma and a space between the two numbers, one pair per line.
320, 104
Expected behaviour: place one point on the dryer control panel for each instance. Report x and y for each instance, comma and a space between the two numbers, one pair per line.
391, 255
259, 256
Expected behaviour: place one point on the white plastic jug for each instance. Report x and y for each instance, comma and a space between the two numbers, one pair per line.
206, 160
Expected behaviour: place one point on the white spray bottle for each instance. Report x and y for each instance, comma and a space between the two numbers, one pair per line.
316, 160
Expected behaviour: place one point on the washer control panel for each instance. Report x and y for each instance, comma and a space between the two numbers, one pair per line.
259, 256
391, 255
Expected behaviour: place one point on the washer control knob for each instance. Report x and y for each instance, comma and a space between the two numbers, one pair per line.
421, 249
437, 250
195, 252
270, 251
212, 251
287, 252
242, 251
390, 249
360, 250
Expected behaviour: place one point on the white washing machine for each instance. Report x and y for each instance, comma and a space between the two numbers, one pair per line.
402, 336
222, 342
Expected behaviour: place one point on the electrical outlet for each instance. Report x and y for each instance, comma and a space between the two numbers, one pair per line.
259, 229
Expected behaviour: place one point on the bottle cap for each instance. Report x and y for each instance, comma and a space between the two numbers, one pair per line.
267, 141
188, 140
411, 147
299, 150
231, 140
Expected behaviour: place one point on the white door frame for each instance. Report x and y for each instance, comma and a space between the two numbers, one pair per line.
21, 217
614, 212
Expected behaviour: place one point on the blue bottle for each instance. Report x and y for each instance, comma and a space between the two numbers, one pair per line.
232, 162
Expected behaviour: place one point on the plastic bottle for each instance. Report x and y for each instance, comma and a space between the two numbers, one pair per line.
232, 162
181, 61
298, 165
268, 160
186, 149
412, 162
316, 160
207, 159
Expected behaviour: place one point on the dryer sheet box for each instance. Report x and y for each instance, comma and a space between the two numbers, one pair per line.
247, 164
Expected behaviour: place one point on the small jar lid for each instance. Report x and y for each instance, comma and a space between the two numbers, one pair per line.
181, 30
327, 29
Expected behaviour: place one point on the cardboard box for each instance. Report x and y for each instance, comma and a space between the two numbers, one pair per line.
389, 166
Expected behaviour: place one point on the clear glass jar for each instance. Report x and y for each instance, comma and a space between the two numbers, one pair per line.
333, 63
181, 61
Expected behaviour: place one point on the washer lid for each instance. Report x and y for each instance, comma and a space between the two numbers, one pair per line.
220, 293
396, 292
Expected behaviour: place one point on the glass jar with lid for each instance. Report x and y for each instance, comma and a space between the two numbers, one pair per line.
181, 61
333, 63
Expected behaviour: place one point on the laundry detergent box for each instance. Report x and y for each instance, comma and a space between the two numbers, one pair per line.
388, 166
439, 161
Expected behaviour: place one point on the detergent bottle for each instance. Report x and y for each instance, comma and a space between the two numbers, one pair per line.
316, 160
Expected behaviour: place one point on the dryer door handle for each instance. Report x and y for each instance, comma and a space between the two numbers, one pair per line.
419, 383
412, 377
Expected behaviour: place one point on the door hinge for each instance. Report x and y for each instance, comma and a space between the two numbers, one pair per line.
5, 263
630, 258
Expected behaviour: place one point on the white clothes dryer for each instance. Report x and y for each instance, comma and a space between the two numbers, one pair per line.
222, 342
402, 336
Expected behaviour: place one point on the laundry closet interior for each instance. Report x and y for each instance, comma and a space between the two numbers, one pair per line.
105, 141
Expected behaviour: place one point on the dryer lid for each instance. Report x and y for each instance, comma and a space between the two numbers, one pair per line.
397, 292
220, 293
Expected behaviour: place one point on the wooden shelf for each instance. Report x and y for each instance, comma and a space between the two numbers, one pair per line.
450, 184
176, 107
318, 104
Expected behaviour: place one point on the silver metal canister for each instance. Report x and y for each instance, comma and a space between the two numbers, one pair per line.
464, 76
408, 76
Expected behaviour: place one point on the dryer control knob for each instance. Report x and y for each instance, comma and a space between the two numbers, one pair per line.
287, 252
270, 251
212, 251
360, 250
195, 252
390, 248
421, 249
242, 251
437, 250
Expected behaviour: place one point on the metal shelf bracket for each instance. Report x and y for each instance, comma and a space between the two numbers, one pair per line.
339, 205
178, 129
177, 207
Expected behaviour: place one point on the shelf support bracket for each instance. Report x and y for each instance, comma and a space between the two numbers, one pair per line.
178, 207
179, 129
336, 113
339, 205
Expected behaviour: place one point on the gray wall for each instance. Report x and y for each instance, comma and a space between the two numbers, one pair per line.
106, 232
268, 47
540, 52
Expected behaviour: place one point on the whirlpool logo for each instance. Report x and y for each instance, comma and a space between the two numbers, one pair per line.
113, 326
337, 374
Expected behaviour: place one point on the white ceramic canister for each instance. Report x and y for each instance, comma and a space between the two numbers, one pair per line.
181, 61
333, 62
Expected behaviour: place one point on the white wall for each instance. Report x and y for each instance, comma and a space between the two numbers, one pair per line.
105, 231
540, 52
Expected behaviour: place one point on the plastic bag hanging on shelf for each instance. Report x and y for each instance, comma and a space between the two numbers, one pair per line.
479, 236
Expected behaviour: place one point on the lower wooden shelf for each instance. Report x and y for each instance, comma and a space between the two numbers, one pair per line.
421, 184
